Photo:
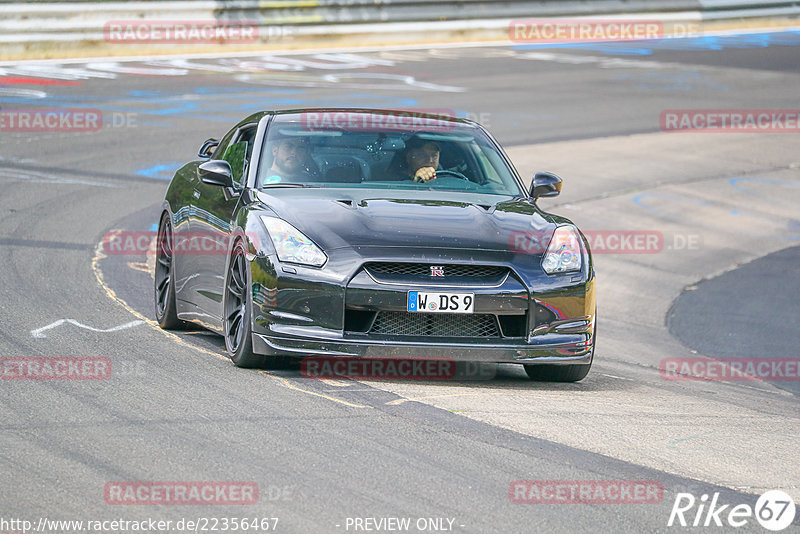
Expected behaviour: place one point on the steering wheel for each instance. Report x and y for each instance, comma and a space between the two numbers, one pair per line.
453, 173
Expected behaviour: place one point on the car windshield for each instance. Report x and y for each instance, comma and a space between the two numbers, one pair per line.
368, 150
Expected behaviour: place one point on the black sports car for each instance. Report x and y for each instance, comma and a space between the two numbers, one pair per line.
373, 234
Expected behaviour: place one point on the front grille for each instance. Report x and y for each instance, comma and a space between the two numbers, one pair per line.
421, 272
431, 324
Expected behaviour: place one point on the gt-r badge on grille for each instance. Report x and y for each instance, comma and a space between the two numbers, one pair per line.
437, 270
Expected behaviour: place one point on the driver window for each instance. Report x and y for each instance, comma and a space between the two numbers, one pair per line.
238, 154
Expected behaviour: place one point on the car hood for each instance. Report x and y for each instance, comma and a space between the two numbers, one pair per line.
333, 219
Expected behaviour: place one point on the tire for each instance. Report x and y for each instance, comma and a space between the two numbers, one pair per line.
236, 326
557, 373
164, 281
563, 373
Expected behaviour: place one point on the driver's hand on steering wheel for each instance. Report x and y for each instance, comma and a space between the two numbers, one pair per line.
425, 174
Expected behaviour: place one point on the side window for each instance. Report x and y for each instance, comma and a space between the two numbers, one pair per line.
238, 153
223, 144
489, 165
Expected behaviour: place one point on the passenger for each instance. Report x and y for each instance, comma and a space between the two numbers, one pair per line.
291, 162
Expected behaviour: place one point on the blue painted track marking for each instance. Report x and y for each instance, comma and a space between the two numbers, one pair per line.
735, 183
792, 225
215, 104
707, 42
162, 172
639, 201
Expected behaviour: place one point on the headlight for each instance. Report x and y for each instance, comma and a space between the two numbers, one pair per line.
564, 252
291, 244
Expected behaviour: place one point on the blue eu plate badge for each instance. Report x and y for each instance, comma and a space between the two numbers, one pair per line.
412, 301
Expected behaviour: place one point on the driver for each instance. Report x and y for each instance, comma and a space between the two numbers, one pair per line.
291, 161
422, 158
418, 161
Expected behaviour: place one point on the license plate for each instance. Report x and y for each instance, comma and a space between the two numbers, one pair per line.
419, 301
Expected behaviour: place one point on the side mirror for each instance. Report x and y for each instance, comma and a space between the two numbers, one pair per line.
216, 172
545, 184
208, 147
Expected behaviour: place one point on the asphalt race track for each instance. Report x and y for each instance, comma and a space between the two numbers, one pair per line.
723, 282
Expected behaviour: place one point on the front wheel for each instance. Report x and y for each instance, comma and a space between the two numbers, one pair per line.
563, 373
557, 373
236, 328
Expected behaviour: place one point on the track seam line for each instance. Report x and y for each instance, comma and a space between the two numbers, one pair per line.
292, 386
98, 273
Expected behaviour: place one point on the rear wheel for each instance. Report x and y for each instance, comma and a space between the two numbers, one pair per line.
166, 311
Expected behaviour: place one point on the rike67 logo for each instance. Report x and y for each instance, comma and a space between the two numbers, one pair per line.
774, 510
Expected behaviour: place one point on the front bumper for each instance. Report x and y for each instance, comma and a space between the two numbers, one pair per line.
305, 313
542, 351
